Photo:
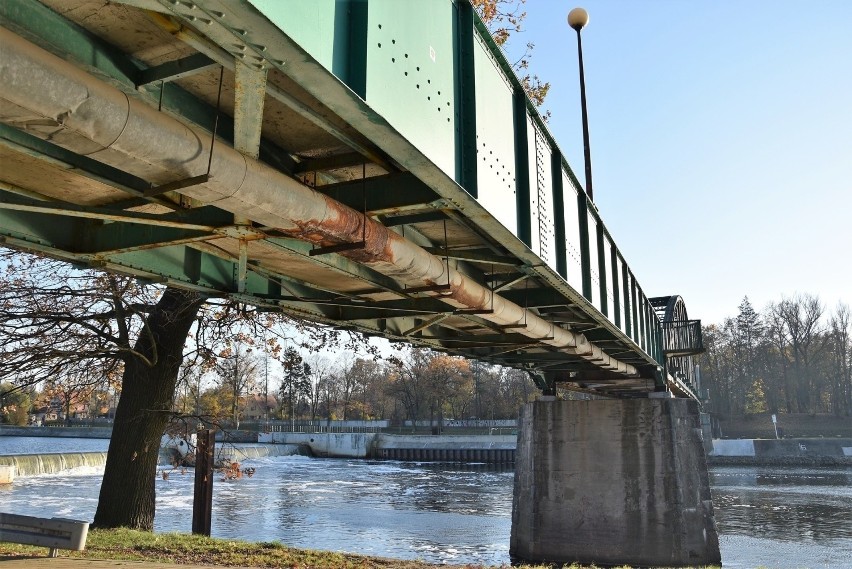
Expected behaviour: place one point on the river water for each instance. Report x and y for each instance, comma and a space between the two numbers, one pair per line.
782, 518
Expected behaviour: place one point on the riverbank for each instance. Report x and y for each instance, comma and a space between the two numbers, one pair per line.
192, 551
184, 549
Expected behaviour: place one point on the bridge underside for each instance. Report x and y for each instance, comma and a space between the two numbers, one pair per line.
406, 255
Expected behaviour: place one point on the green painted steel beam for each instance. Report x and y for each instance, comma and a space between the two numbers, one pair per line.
332, 162
465, 98
474, 255
30, 145
536, 297
390, 193
559, 217
522, 168
201, 219
412, 218
602, 273
174, 70
616, 288
373, 280
585, 252
416, 308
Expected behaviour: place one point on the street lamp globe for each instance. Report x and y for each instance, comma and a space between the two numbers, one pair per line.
578, 18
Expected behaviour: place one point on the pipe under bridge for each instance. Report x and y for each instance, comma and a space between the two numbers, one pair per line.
369, 165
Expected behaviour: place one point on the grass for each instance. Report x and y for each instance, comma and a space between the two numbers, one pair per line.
132, 545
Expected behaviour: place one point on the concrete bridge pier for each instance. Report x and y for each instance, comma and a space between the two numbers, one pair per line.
612, 482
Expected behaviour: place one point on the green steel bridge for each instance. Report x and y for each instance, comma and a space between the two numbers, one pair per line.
372, 165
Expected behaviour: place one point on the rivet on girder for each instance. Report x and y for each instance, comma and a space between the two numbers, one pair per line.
241, 32
259, 47
219, 15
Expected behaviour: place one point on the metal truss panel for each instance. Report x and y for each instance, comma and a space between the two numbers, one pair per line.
594, 259
314, 25
495, 132
410, 45
574, 260
542, 215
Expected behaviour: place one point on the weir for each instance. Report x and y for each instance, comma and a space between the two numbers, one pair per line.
51, 463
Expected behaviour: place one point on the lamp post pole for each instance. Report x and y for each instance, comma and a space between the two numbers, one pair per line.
577, 19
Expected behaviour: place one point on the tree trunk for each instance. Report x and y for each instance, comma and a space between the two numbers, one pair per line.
127, 490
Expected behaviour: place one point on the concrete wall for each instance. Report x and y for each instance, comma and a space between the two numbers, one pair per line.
337, 445
789, 452
612, 482
78, 432
459, 448
733, 447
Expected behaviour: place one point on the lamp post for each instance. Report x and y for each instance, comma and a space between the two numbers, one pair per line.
577, 19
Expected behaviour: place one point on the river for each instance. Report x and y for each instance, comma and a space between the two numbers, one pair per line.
781, 518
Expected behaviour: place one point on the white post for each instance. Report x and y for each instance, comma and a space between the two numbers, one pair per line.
775, 424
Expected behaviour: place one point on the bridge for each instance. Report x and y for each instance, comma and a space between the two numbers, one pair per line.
372, 165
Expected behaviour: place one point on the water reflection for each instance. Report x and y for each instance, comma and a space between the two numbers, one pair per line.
784, 504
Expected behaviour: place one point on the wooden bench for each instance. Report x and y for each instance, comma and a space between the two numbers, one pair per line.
54, 533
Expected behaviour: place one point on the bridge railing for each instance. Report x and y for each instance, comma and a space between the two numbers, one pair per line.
683, 338
456, 98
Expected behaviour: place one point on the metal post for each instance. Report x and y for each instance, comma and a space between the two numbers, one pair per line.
577, 19
202, 504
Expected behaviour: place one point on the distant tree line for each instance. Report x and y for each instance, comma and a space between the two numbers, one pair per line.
413, 384
793, 357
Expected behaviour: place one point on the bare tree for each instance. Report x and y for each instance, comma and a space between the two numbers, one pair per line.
801, 316
321, 372
840, 360
237, 374
504, 18
54, 317
409, 385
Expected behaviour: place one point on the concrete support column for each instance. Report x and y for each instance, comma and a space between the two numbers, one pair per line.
612, 482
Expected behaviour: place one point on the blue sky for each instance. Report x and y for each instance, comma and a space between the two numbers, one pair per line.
721, 140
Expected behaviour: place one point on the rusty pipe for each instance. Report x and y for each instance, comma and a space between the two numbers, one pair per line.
50, 98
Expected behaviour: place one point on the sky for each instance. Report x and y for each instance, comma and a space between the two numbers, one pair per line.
721, 141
